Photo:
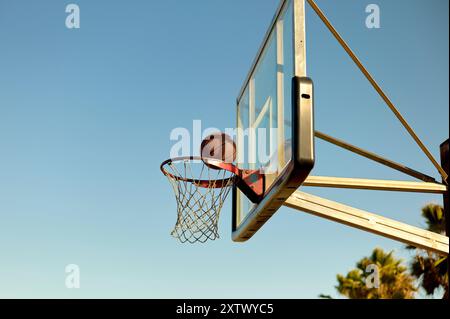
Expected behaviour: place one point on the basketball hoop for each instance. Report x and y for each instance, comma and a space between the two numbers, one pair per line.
200, 192
201, 185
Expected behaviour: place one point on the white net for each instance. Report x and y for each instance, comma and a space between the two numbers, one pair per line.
200, 192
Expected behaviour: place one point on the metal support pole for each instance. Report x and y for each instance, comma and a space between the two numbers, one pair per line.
445, 165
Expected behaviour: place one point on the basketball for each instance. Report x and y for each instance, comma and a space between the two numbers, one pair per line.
218, 146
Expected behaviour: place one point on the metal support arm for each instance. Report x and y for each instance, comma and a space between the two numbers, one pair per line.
375, 184
369, 222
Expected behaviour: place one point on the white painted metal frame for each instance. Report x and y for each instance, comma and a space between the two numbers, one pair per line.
358, 218
369, 222
377, 88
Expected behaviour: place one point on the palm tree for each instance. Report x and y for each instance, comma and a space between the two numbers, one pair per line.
429, 268
394, 280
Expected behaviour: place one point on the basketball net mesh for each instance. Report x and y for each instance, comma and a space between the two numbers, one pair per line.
198, 208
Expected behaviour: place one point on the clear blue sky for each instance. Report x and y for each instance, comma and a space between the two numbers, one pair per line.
85, 118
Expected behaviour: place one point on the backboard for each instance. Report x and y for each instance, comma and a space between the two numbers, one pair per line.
275, 132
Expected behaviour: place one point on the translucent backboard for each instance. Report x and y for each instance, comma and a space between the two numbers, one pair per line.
275, 120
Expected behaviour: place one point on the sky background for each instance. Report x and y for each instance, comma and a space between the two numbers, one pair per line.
85, 118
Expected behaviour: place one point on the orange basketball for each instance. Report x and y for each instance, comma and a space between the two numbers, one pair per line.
218, 146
